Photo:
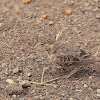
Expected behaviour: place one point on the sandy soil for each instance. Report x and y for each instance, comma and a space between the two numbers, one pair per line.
25, 43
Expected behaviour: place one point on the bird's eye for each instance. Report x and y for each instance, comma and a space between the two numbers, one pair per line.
42, 44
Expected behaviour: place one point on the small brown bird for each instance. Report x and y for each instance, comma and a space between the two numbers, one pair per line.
67, 54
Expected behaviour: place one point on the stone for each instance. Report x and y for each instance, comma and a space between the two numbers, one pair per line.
71, 99
26, 1
98, 16
25, 84
10, 81
14, 89
85, 85
29, 74
16, 70
14, 96
98, 95
90, 77
98, 91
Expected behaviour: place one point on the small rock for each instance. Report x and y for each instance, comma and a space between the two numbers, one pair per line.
25, 83
14, 96
10, 81
16, 70
85, 85
98, 16
50, 22
71, 99
14, 89
90, 77
98, 95
29, 74
98, 91
26, 1
68, 12
44, 16
90, 89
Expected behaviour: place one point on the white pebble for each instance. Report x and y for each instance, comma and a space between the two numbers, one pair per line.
98, 95
10, 81
90, 77
29, 74
71, 99
98, 91
85, 85
14, 96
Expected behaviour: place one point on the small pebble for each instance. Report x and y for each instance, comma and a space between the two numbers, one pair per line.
29, 74
90, 77
71, 99
98, 16
25, 84
68, 12
98, 95
14, 96
44, 16
16, 70
14, 89
10, 81
85, 85
98, 91
26, 1
50, 22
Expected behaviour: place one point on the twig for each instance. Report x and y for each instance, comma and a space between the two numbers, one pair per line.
70, 74
42, 74
43, 84
44, 68
58, 35
46, 83
78, 90
97, 52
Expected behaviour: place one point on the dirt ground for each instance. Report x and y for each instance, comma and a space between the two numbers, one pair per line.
25, 39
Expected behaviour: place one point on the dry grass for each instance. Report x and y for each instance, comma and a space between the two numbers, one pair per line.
58, 35
47, 82
97, 52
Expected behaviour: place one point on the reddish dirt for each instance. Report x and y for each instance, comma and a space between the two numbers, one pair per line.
26, 40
